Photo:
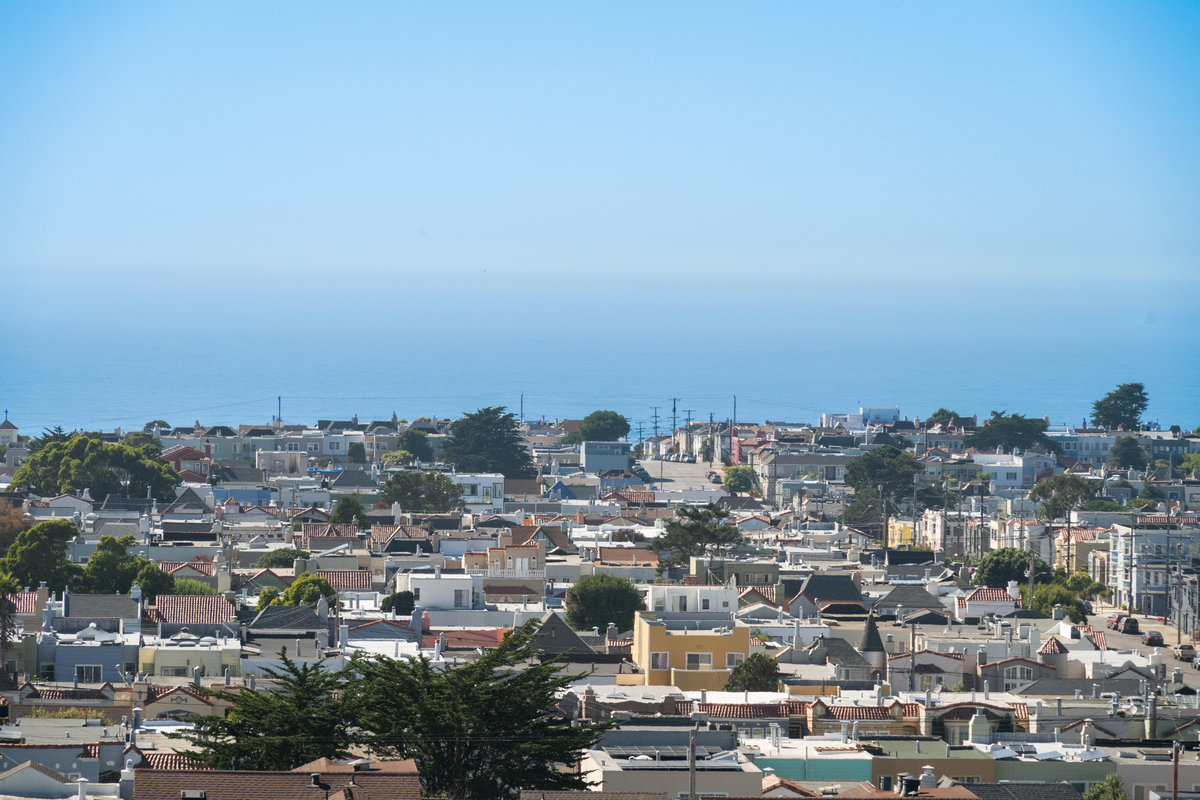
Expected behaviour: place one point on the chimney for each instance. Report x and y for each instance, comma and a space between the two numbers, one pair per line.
987, 685
83, 784
928, 781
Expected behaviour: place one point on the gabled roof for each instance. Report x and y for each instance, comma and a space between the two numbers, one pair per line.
909, 598
291, 618
192, 609
354, 479
348, 579
188, 502
825, 587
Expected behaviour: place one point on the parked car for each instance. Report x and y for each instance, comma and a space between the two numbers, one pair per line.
1184, 652
1152, 639
1196, 662
1128, 625
1114, 620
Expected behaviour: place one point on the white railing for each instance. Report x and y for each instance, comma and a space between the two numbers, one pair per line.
539, 574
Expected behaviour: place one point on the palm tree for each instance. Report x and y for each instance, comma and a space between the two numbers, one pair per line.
8, 620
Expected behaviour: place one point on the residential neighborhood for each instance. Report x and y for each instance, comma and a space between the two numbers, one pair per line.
865, 606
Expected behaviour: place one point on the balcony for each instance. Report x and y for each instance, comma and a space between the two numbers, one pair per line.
533, 574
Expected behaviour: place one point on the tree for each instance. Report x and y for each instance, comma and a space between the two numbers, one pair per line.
599, 426
303, 717
758, 673
1011, 432
942, 416
1101, 505
350, 509
40, 554
1111, 788
356, 453
84, 462
396, 457
191, 586
485, 729
153, 582
599, 599
999, 567
402, 603
1190, 464
283, 558
307, 589
423, 492
415, 442
1121, 408
739, 478
8, 621
111, 569
1151, 493
886, 466
1059, 494
1128, 454
693, 532
161, 424
1048, 595
267, 597
12, 522
489, 440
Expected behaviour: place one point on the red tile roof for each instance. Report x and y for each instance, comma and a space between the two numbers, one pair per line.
191, 609
750, 710
844, 712
168, 760
1052, 647
466, 640
347, 579
203, 567
988, 594
26, 602
167, 784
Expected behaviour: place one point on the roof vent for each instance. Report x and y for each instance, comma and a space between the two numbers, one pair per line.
192, 794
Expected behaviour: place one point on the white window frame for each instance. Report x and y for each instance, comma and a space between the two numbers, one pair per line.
734, 659
662, 659
703, 661
99, 672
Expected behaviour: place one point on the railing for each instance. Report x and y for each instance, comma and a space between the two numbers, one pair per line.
539, 574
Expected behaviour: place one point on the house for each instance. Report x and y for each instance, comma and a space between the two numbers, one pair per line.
397, 780
987, 601
693, 650
828, 593
654, 758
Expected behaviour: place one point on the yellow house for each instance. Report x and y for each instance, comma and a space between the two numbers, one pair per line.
687, 650
900, 532
182, 653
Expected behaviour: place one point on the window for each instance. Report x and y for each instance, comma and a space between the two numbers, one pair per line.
334, 445
705, 603
1012, 476
462, 598
699, 660
416, 593
660, 661
173, 672
733, 659
47, 672
1017, 676
89, 673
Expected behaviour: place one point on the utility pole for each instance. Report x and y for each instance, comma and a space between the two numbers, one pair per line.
655, 408
712, 446
692, 762
674, 419
735, 409
882, 516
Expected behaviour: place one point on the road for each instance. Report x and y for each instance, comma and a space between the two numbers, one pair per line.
1133, 641
677, 475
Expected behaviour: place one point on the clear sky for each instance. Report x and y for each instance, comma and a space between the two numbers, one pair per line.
484, 161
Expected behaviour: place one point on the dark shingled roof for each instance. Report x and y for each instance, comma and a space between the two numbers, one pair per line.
871, 642
1024, 791
831, 588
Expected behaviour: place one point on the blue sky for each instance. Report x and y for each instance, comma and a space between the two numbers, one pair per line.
911, 159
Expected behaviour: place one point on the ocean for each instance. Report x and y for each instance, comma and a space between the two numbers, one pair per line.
691, 355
